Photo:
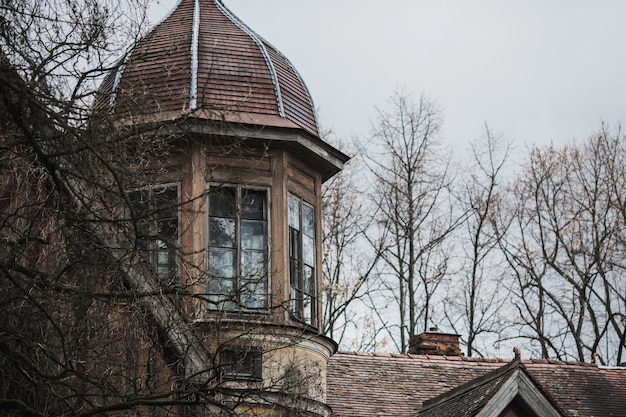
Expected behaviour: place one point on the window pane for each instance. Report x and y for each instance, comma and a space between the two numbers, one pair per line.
222, 263
309, 280
168, 229
307, 307
156, 215
245, 363
253, 235
253, 294
222, 233
296, 303
308, 250
253, 264
166, 261
222, 293
308, 221
253, 205
294, 244
294, 213
222, 202
166, 202
295, 274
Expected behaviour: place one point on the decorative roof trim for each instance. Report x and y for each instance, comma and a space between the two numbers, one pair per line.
260, 43
118, 78
519, 385
195, 39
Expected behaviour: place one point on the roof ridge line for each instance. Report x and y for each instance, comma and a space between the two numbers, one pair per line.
449, 358
195, 40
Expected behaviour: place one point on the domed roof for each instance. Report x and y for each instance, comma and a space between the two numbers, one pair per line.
203, 62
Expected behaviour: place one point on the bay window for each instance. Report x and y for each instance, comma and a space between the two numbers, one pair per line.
303, 282
237, 248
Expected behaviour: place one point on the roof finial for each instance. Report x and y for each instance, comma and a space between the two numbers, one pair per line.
518, 353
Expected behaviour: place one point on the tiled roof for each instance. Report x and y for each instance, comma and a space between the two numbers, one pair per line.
582, 389
398, 385
395, 385
203, 62
469, 398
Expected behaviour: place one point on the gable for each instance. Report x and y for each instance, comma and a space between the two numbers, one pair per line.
361, 385
519, 388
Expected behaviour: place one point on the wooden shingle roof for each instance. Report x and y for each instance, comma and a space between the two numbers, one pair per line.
399, 385
202, 62
395, 385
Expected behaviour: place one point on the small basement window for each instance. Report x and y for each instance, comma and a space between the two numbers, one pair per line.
242, 363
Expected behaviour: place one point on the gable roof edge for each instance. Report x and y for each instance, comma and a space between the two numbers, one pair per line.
522, 385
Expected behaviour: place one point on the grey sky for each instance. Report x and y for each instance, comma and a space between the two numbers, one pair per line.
534, 70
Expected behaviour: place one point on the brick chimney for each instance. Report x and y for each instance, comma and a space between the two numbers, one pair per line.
433, 342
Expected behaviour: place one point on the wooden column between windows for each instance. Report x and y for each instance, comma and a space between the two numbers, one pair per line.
193, 232
318, 248
279, 254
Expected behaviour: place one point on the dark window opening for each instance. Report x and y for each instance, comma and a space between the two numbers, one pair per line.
238, 248
155, 215
241, 363
303, 283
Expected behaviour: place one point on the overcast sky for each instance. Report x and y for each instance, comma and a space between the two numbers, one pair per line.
534, 70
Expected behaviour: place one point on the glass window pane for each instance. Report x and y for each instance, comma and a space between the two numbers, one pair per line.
253, 265
168, 229
295, 274
253, 205
296, 303
308, 250
166, 202
294, 213
253, 235
222, 263
241, 363
222, 233
222, 202
221, 286
309, 280
222, 293
308, 221
165, 258
253, 294
140, 202
294, 244
156, 215
307, 307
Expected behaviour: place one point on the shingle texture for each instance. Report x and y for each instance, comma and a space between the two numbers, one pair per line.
203, 62
387, 385
468, 401
368, 385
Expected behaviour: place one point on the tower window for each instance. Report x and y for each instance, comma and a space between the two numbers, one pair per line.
241, 363
303, 282
155, 213
238, 236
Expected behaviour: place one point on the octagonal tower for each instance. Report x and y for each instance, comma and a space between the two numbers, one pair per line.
246, 170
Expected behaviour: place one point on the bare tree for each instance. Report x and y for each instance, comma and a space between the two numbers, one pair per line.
94, 321
347, 261
411, 196
564, 248
475, 299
